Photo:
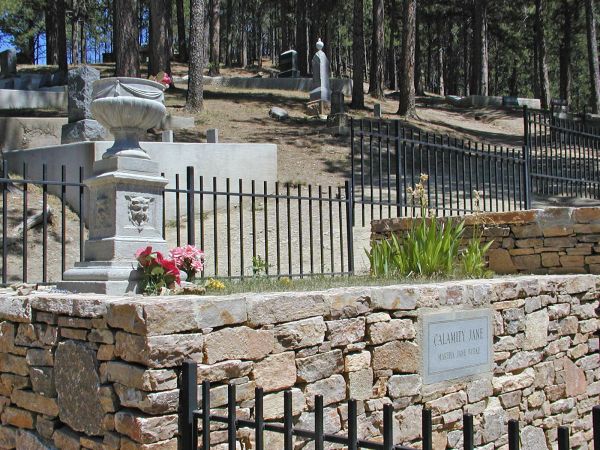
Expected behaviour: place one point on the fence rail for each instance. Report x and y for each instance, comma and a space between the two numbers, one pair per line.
564, 155
191, 416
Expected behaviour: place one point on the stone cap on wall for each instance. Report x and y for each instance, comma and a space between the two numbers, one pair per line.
178, 314
550, 216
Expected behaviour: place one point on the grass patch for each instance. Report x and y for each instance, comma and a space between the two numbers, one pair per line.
311, 283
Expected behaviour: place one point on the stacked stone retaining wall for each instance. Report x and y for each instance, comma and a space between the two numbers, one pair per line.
102, 373
539, 241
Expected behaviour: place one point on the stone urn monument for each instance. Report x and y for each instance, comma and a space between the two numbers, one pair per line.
128, 107
125, 211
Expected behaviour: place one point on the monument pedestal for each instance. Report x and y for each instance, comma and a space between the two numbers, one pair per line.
127, 204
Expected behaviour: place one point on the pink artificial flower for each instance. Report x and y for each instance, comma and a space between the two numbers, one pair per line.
189, 259
167, 80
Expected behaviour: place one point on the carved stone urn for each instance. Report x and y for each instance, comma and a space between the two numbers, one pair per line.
127, 107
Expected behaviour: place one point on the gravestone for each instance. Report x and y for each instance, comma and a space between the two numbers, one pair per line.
510, 101
82, 126
337, 103
320, 88
167, 135
212, 136
8, 63
377, 110
288, 64
559, 108
80, 80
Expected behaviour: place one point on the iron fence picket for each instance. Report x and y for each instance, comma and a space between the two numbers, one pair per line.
190, 416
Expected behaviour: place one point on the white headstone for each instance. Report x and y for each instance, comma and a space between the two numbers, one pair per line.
320, 89
167, 135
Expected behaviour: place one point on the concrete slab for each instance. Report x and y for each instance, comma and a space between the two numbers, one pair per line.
234, 161
285, 84
11, 99
29, 132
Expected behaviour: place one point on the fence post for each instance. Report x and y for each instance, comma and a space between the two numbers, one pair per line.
352, 165
596, 425
426, 428
388, 427
188, 397
398, 194
513, 435
468, 431
5, 222
525, 126
526, 178
191, 227
349, 225
563, 438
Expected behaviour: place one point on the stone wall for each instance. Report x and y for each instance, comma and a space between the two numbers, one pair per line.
538, 241
98, 372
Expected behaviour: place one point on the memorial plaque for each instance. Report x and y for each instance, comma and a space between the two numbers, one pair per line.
456, 344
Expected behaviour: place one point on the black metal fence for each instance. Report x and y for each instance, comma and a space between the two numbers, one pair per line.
462, 177
254, 227
192, 420
48, 205
564, 155
246, 228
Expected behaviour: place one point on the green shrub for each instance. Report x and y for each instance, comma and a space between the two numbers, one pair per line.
431, 248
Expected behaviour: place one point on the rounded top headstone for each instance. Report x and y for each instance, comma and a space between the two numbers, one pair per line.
320, 44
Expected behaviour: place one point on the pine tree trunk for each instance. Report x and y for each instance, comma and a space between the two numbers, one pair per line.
466, 61
83, 40
285, 34
228, 33
160, 52
441, 88
593, 55
75, 56
244, 38
126, 47
61, 41
376, 77
358, 56
535, 75
406, 105
181, 39
540, 6
479, 66
565, 53
418, 66
301, 37
215, 37
51, 23
259, 41
195, 95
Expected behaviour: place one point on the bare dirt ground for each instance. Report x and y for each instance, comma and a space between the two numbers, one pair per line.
307, 154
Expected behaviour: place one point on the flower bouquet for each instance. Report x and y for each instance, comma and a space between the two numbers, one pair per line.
158, 272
